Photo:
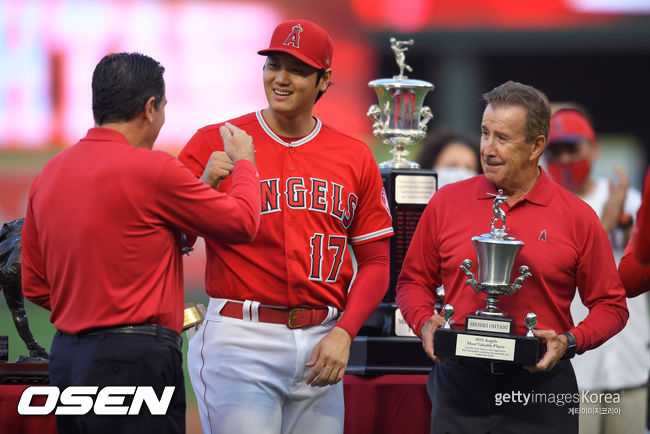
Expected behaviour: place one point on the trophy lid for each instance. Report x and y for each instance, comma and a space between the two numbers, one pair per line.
492, 239
396, 83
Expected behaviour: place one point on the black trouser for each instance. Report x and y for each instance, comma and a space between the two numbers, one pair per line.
106, 359
471, 399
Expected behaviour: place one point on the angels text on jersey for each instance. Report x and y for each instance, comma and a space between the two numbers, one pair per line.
314, 195
311, 194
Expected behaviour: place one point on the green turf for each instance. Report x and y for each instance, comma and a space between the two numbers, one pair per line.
43, 331
25, 161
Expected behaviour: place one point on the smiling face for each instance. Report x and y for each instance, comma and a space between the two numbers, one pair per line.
508, 160
291, 86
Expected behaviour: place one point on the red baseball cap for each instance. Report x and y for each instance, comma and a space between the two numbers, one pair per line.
570, 126
303, 40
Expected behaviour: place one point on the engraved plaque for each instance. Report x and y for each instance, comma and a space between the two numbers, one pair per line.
485, 347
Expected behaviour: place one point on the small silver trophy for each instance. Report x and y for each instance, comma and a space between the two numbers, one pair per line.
488, 333
400, 119
496, 254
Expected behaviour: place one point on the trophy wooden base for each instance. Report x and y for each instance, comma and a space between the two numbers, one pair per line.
452, 343
24, 373
387, 355
408, 191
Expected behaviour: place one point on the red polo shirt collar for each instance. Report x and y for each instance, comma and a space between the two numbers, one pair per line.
105, 135
540, 194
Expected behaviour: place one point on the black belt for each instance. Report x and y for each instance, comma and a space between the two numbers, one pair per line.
492, 367
139, 329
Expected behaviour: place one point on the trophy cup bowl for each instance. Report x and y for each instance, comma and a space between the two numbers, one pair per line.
495, 260
400, 118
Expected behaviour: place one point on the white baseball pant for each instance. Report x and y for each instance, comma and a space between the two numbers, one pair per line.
249, 377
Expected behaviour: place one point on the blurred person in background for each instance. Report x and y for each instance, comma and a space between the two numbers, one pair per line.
634, 268
454, 155
621, 364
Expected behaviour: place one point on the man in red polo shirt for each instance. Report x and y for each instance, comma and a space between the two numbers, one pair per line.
565, 247
101, 244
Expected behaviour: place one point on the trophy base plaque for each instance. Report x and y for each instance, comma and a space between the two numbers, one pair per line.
491, 346
484, 322
408, 192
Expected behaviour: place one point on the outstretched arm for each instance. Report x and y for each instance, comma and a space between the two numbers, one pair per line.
330, 356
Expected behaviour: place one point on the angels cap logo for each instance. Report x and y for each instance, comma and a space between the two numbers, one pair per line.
294, 36
316, 50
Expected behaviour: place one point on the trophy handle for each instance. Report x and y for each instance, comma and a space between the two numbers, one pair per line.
465, 266
374, 113
425, 117
524, 273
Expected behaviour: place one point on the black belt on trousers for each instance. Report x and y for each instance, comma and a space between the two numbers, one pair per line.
139, 329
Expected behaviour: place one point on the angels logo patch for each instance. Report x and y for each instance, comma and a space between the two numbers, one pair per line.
384, 200
542, 235
294, 36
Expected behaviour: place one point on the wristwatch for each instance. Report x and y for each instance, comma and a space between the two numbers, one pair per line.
573, 346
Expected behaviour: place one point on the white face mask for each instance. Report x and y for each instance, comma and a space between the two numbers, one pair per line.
447, 175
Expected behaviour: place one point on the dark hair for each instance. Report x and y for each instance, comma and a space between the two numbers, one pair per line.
319, 74
537, 105
434, 143
122, 84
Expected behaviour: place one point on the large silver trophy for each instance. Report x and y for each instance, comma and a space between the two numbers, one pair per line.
488, 333
385, 344
400, 119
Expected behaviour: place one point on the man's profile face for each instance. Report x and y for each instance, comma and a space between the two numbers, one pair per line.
504, 150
